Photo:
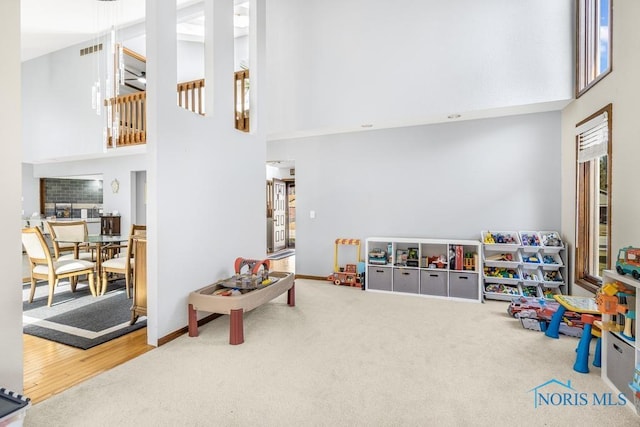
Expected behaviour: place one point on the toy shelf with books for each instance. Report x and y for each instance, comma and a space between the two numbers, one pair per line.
528, 263
620, 339
427, 267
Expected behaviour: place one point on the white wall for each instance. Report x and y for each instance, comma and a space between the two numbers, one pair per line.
621, 89
11, 371
337, 64
199, 163
58, 120
30, 192
441, 181
190, 61
140, 195
241, 50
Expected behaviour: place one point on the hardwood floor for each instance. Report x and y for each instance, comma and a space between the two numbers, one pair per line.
50, 367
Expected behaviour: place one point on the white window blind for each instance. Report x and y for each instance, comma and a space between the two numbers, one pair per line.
593, 138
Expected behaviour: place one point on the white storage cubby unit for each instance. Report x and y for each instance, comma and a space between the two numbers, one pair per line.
620, 353
528, 263
428, 267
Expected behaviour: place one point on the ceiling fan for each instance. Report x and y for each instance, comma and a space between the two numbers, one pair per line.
140, 76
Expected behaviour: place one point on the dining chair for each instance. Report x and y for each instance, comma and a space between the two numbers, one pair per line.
122, 264
44, 267
70, 230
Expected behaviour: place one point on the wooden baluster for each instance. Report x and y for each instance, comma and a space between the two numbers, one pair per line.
192, 97
114, 109
242, 93
144, 121
139, 116
130, 128
123, 122
192, 94
136, 135
140, 122
130, 124
126, 123
121, 117
235, 101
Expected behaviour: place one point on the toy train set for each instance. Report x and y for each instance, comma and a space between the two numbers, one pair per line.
256, 277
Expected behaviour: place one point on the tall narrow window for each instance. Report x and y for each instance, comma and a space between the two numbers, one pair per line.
593, 42
593, 216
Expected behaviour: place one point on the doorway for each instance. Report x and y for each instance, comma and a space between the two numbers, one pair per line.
279, 215
281, 206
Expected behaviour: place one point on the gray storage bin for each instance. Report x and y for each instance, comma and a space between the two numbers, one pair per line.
463, 285
433, 283
405, 280
620, 364
379, 278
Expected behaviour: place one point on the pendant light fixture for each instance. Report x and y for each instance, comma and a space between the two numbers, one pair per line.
109, 70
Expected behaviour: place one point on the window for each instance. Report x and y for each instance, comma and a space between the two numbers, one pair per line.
593, 43
593, 213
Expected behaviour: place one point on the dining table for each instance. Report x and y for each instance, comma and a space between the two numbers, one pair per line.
102, 243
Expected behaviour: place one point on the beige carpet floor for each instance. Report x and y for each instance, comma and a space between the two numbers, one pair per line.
344, 357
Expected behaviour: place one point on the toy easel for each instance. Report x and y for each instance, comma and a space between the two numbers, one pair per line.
336, 267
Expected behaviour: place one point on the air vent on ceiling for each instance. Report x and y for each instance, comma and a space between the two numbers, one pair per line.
91, 49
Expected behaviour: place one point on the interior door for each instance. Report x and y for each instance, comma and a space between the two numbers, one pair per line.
291, 229
279, 214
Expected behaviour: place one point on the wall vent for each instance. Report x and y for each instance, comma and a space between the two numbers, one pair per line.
91, 49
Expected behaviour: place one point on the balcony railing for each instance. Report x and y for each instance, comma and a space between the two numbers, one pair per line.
131, 110
241, 97
191, 96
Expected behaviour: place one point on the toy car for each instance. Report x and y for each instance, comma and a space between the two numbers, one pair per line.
629, 262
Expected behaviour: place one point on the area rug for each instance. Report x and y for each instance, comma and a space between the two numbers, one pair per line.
79, 319
282, 254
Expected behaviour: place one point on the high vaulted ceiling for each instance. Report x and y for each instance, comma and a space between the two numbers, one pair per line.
49, 25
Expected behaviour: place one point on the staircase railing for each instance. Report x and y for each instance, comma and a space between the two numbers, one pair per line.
191, 96
132, 112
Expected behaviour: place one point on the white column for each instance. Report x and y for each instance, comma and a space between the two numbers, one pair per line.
11, 369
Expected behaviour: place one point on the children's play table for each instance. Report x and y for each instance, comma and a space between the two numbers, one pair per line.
207, 299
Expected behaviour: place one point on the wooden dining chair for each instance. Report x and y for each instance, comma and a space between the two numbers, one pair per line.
70, 230
44, 267
123, 264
